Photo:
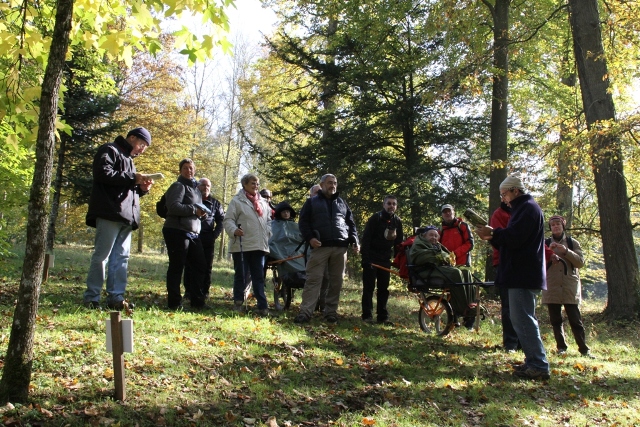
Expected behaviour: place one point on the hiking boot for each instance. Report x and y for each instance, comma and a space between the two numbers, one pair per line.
118, 306
385, 322
238, 306
561, 351
532, 374
331, 320
262, 312
368, 320
92, 305
301, 318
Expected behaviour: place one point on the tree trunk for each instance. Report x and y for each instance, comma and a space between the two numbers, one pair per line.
55, 204
606, 161
499, 110
16, 375
141, 239
564, 192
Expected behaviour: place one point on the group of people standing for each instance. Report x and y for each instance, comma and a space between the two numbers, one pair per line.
195, 219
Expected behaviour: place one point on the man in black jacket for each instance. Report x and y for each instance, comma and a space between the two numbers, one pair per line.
114, 210
382, 234
211, 227
327, 223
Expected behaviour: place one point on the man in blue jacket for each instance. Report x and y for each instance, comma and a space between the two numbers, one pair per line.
522, 271
114, 211
327, 223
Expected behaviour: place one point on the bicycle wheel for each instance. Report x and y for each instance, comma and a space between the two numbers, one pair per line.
436, 316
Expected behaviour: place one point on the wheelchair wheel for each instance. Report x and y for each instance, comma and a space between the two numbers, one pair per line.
436, 317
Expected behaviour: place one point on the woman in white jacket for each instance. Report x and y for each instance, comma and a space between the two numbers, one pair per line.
248, 224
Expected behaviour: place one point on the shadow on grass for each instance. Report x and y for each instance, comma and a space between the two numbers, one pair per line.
217, 368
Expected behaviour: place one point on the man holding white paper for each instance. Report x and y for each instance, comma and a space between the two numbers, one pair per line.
114, 211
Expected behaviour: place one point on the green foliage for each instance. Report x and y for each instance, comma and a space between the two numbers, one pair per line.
218, 368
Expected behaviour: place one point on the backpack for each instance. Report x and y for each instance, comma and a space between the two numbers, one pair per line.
161, 206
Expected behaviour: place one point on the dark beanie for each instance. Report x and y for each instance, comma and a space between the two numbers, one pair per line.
141, 133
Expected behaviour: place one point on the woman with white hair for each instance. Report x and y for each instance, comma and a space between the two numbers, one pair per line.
248, 224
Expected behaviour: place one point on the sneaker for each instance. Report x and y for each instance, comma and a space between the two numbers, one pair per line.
301, 318
510, 350
531, 374
368, 320
561, 351
92, 305
331, 320
469, 322
588, 355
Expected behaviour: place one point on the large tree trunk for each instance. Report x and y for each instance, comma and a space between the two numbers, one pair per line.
606, 160
16, 375
499, 110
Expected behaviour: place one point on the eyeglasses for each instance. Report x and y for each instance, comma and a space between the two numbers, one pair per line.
505, 193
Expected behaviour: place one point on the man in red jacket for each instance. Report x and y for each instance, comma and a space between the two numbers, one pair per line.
457, 238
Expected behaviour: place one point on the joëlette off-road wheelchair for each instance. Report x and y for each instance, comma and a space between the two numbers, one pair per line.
434, 291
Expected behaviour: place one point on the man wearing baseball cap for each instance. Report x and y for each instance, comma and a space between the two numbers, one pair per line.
114, 211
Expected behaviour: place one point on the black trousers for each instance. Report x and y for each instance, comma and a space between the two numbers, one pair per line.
575, 321
208, 248
184, 252
369, 277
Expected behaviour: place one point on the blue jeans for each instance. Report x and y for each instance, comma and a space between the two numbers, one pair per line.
522, 305
509, 336
112, 248
253, 263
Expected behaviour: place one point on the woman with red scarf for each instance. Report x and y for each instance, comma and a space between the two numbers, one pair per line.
248, 224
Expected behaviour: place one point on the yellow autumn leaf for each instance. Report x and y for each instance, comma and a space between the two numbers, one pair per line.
339, 361
367, 421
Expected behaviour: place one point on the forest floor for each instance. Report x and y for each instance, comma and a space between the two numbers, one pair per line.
219, 368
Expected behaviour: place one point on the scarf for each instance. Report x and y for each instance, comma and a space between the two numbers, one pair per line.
255, 199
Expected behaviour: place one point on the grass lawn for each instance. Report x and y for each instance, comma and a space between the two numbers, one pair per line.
217, 368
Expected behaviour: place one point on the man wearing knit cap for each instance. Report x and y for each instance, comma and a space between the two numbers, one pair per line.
522, 271
114, 211
563, 287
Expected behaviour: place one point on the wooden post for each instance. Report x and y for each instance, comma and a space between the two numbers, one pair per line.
118, 357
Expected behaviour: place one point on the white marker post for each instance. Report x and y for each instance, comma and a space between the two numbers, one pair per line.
119, 340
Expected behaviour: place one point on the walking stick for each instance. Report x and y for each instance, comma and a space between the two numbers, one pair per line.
244, 278
385, 269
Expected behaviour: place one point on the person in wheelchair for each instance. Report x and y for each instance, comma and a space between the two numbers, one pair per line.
433, 261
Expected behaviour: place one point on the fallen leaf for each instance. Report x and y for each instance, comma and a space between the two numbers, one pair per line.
367, 421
